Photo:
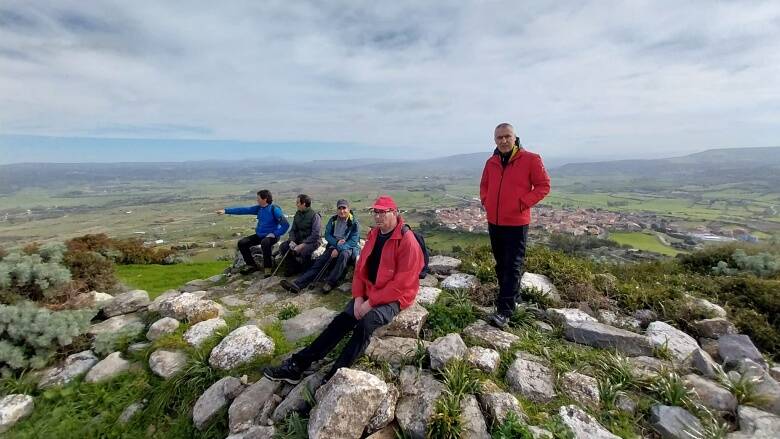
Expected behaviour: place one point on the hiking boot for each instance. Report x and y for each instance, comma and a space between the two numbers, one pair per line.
327, 288
249, 269
498, 320
288, 372
290, 286
267, 273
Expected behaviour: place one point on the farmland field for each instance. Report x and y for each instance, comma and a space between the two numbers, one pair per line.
643, 241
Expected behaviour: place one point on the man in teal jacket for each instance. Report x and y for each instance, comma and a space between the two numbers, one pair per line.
271, 225
342, 234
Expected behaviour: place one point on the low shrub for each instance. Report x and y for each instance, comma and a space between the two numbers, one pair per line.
288, 311
762, 264
108, 342
34, 276
452, 312
92, 268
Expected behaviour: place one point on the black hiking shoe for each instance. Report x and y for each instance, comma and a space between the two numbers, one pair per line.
249, 269
498, 320
290, 286
327, 288
288, 372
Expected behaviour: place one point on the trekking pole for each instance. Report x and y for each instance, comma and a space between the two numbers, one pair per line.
281, 262
319, 275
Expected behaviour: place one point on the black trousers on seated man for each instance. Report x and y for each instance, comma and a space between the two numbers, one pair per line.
508, 244
337, 267
266, 243
338, 328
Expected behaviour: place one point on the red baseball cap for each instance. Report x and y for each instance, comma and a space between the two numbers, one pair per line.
384, 202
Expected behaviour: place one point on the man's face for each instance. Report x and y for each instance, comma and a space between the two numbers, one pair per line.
384, 219
343, 212
261, 201
299, 205
505, 139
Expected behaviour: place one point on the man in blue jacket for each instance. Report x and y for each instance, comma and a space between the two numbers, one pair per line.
271, 225
342, 234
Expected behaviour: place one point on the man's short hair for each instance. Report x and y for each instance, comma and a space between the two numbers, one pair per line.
505, 125
304, 199
265, 194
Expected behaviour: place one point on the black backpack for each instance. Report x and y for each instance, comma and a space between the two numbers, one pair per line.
421, 241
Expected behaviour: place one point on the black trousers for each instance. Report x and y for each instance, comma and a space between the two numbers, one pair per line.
508, 244
338, 328
336, 265
294, 262
266, 244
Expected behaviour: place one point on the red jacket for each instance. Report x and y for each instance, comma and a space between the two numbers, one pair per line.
398, 276
508, 194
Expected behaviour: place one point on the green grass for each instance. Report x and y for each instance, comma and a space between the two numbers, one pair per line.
643, 241
157, 278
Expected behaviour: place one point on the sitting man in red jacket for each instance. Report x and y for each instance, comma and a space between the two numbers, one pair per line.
513, 181
386, 281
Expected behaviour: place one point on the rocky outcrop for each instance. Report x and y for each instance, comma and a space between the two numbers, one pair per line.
214, 399
498, 406
385, 413
428, 295
240, 347
674, 422
164, 326
296, 400
166, 364
439, 264
679, 344
394, 350
460, 281
126, 303
766, 389
74, 366
714, 328
490, 336
419, 392
473, 423
202, 331
190, 307
14, 408
114, 324
711, 394
562, 316
254, 406
531, 379
755, 424
603, 336
107, 368
701, 362
581, 388
582, 425
309, 322
541, 284
484, 359
732, 349
407, 323
445, 349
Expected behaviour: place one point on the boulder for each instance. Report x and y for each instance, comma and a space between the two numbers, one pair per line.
604, 336
711, 394
114, 324
417, 402
674, 422
166, 363
214, 399
164, 326
190, 307
407, 323
240, 347
444, 349
202, 331
14, 408
540, 433
130, 411
714, 328
543, 326
498, 405
394, 350
645, 317
385, 413
484, 359
612, 318
351, 395
541, 284
460, 281
531, 379
138, 347
295, 401
472, 422
581, 388
385, 433
233, 300
775, 372
155, 305
710, 346
255, 432
767, 390
582, 425
490, 336
427, 295
429, 281
732, 349
701, 362
196, 285
107, 368
252, 404
755, 424
309, 322
74, 366
562, 316
443, 264
647, 367
679, 344
704, 306
126, 303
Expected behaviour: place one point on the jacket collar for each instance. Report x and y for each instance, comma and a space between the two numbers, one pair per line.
396, 233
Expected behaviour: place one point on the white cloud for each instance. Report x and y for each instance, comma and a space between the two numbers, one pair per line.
613, 77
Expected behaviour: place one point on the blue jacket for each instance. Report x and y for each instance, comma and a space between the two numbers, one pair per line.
270, 219
352, 238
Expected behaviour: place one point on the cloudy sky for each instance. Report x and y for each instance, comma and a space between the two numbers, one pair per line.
165, 80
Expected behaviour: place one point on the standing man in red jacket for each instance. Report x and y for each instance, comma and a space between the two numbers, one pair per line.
513, 181
386, 281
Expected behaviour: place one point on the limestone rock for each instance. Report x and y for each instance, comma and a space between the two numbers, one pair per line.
603, 336
394, 350
674, 422
130, 411
407, 323
385, 433
190, 307
349, 395
385, 413
216, 397
541, 284
645, 316
427, 295
166, 363
710, 346
155, 305
295, 401
74, 366
498, 405
114, 324
647, 367
540, 433
714, 328
443, 264
755, 424
490, 336
473, 423
255, 432
138, 347
766, 388
444, 349
543, 326
107, 368
679, 344
202, 331
484, 359
612, 318
581, 388
706, 307
701, 362
247, 409
533, 380
196, 285
460, 281
309, 322
417, 403
233, 300
582, 425
563, 316
240, 347
734, 348
14, 408
164, 326
429, 281
711, 394
126, 303
775, 372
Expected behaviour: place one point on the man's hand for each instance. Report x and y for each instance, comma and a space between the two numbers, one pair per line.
220, 212
341, 241
358, 304
334, 253
365, 308
270, 235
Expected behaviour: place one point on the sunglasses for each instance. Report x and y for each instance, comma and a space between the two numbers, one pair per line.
379, 212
